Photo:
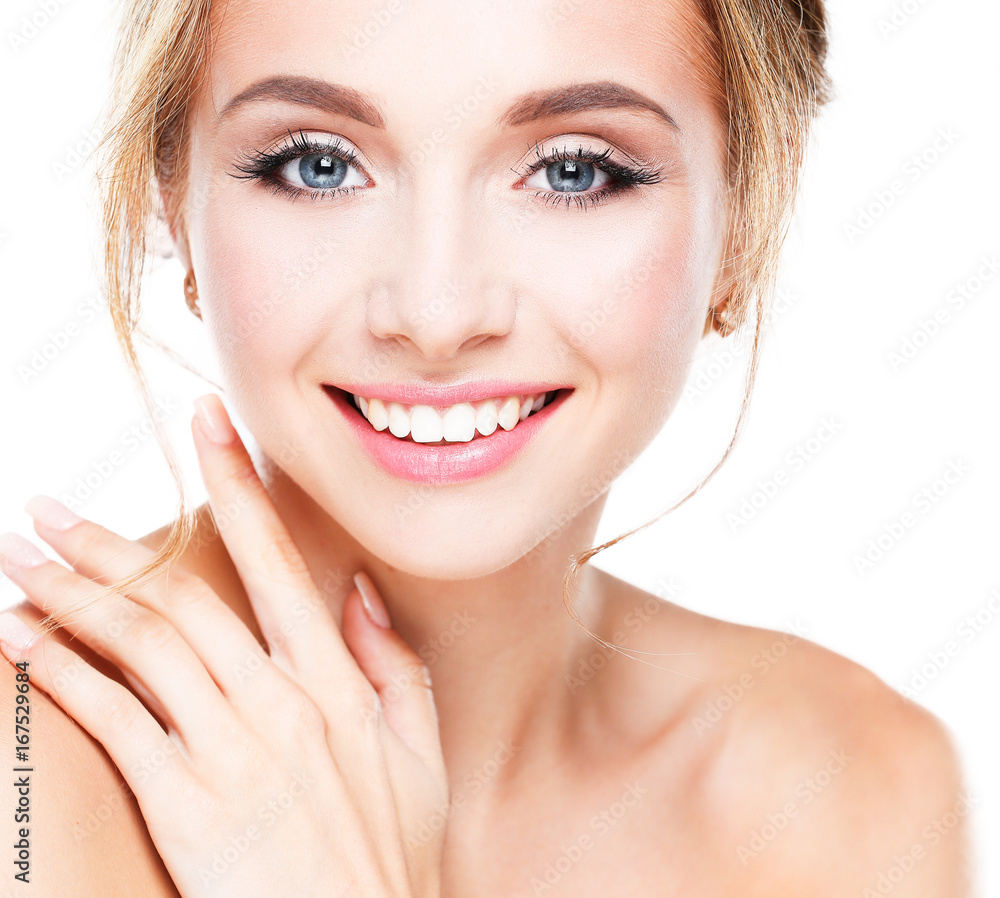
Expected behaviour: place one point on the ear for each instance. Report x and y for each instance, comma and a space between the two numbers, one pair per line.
168, 212
722, 290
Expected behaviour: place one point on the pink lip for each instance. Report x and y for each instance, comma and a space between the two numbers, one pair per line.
451, 463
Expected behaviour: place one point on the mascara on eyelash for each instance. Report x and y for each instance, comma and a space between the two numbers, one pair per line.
262, 166
625, 173
627, 177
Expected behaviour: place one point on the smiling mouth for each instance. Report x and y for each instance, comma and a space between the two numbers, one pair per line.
464, 422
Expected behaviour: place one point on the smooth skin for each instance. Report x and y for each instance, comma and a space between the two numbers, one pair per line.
252, 757
634, 791
566, 775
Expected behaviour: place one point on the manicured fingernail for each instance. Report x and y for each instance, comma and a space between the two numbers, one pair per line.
214, 419
51, 513
17, 552
374, 605
15, 632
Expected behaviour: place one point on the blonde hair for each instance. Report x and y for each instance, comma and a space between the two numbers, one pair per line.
767, 59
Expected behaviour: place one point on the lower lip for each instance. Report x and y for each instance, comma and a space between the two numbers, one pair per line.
447, 463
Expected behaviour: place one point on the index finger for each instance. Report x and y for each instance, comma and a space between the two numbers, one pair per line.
289, 607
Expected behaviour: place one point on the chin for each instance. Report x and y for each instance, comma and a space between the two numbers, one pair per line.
432, 546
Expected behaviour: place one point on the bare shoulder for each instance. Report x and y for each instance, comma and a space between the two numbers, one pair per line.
810, 775
828, 774
86, 835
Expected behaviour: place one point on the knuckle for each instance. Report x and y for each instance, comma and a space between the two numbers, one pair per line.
100, 545
238, 473
302, 718
282, 551
358, 697
91, 535
115, 621
121, 713
43, 656
185, 591
65, 675
362, 692
207, 804
247, 758
150, 632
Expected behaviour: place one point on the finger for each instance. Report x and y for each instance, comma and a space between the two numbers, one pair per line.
139, 641
227, 649
398, 674
291, 611
153, 765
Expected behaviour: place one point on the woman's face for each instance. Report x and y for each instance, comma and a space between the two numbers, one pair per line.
436, 257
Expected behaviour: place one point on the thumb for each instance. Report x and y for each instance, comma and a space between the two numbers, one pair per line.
397, 672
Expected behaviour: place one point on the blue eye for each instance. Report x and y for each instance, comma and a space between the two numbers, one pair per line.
328, 168
321, 172
306, 166
570, 175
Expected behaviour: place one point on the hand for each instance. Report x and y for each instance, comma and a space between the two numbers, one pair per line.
293, 772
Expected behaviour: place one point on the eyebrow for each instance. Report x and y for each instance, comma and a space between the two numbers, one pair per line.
577, 98
335, 98
342, 100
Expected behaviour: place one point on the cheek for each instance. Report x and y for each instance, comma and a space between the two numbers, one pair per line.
627, 301
258, 274
624, 309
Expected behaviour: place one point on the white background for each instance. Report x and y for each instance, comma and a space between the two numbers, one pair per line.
850, 301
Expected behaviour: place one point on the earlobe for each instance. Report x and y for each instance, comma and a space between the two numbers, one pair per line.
726, 254
720, 315
720, 311
719, 318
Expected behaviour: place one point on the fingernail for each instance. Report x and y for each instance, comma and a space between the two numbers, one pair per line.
15, 632
214, 419
374, 605
17, 552
51, 513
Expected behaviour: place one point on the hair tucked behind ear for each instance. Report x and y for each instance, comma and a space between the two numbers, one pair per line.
769, 57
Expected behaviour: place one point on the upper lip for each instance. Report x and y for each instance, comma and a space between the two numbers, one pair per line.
471, 391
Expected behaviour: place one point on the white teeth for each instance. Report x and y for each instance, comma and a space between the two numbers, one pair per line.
459, 424
510, 412
425, 424
486, 418
454, 424
377, 414
399, 421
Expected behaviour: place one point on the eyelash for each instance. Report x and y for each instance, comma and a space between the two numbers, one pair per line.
626, 177
261, 166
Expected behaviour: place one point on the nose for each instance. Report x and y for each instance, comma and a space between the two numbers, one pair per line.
442, 294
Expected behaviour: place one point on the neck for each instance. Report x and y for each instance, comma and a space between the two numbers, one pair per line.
500, 648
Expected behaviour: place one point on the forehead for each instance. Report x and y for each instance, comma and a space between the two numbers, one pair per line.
417, 58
